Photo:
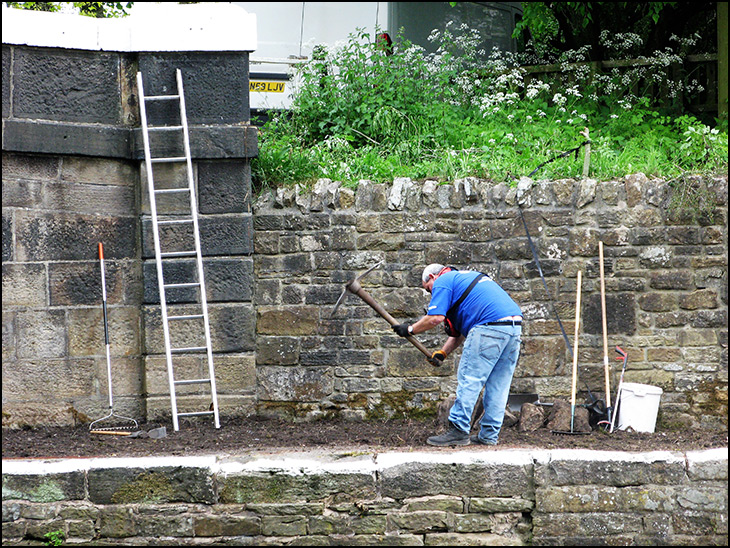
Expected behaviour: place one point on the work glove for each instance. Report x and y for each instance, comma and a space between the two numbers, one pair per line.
439, 355
401, 329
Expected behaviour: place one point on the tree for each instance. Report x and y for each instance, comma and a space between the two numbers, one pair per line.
555, 27
90, 9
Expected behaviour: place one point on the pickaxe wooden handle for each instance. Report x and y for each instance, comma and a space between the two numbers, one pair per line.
355, 288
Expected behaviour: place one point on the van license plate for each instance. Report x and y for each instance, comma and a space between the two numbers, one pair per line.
266, 87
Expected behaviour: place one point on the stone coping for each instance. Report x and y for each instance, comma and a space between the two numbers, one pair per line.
334, 462
207, 26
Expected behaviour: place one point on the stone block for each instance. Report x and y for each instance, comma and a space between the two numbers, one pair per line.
151, 485
290, 320
476, 478
277, 486
53, 84
8, 251
152, 526
277, 350
419, 522
214, 525
584, 527
235, 374
496, 505
620, 314
67, 237
657, 302
40, 334
186, 367
85, 328
231, 328
34, 136
617, 500
226, 280
286, 526
117, 522
208, 78
224, 187
44, 487
294, 383
659, 468
42, 379
24, 285
410, 362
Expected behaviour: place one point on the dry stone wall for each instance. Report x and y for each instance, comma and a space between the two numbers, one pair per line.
666, 290
462, 498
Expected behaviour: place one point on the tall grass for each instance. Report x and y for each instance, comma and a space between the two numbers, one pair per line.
360, 112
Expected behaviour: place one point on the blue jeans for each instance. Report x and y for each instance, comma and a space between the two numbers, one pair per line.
488, 361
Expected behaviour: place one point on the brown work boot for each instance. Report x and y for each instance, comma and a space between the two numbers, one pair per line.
453, 436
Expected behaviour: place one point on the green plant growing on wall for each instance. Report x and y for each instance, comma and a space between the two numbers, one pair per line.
54, 538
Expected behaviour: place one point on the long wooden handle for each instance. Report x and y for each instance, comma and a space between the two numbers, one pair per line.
574, 385
365, 296
606, 367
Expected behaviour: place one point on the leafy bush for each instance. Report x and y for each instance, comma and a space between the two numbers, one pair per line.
363, 112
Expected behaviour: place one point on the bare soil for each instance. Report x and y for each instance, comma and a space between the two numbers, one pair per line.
242, 435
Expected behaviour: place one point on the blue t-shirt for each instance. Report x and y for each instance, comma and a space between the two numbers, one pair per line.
487, 301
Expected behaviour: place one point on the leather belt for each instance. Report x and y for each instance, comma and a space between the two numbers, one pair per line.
505, 322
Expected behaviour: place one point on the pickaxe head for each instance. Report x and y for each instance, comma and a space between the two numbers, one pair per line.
353, 287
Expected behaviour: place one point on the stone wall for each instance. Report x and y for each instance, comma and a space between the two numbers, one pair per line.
462, 498
73, 176
666, 290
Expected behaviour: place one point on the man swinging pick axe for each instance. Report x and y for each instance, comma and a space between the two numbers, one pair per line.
479, 313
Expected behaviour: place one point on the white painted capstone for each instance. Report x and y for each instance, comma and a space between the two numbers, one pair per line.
151, 26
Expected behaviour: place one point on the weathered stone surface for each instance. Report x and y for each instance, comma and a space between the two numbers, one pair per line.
44, 487
287, 321
53, 85
658, 468
152, 485
294, 384
478, 479
258, 487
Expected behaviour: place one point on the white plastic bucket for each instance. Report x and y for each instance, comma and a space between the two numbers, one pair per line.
639, 406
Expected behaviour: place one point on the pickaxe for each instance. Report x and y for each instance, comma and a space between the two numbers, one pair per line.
355, 288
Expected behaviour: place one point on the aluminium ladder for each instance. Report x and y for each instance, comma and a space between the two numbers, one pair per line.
165, 258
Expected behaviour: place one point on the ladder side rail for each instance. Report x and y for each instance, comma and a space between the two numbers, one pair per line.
196, 232
158, 256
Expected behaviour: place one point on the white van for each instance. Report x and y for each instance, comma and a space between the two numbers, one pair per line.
288, 32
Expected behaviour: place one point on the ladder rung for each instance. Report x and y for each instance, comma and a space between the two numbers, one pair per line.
178, 254
189, 349
172, 190
199, 413
187, 317
173, 221
193, 381
168, 160
161, 97
189, 284
164, 128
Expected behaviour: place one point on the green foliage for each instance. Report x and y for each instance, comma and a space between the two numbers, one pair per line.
90, 9
362, 113
54, 538
359, 113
